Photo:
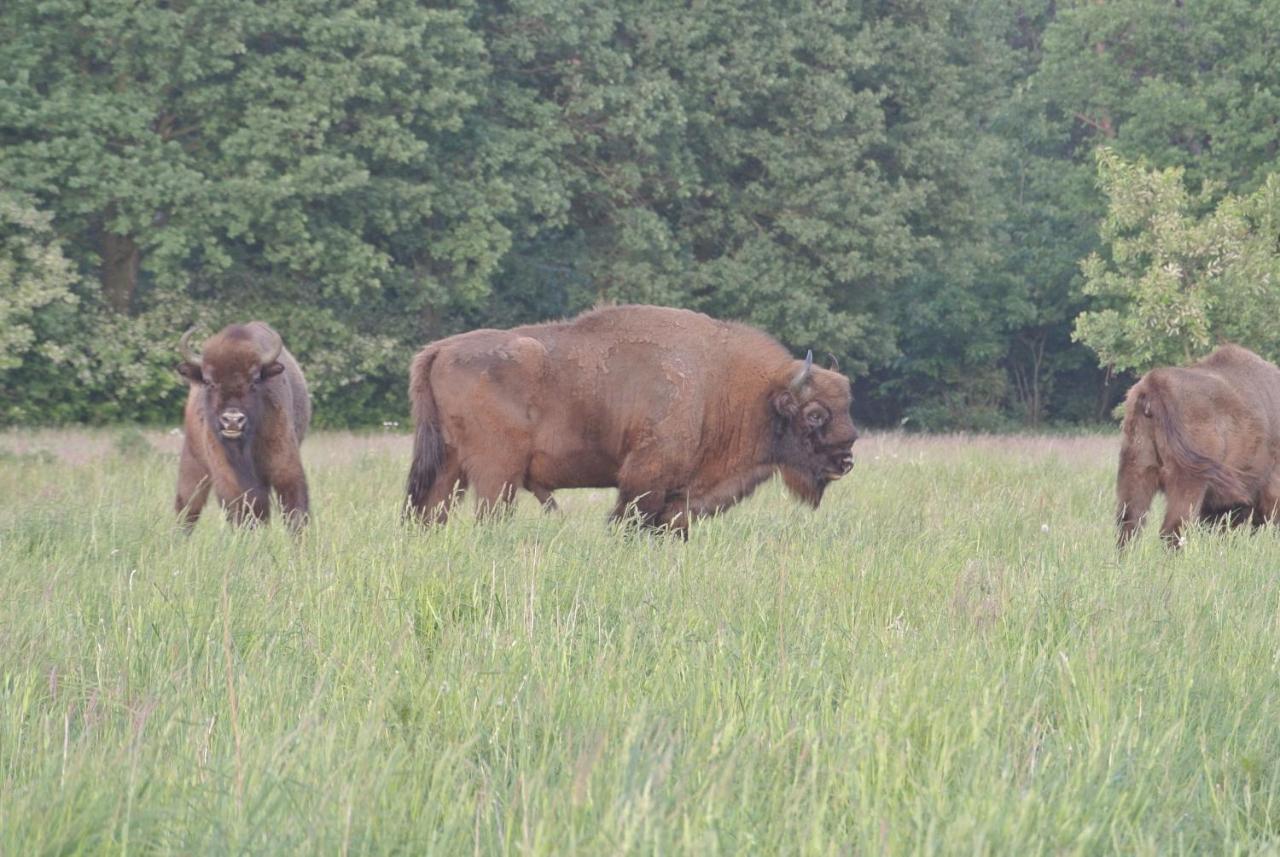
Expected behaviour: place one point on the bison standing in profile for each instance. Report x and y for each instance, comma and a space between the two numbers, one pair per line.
683, 414
247, 412
1208, 436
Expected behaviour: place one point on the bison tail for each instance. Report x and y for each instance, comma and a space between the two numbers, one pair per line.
428, 441
1226, 481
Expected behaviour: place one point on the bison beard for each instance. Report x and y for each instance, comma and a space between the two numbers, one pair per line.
247, 411
254, 503
1207, 436
683, 414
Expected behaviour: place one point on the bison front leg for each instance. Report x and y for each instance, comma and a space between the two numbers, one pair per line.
677, 515
648, 506
642, 486
544, 498
1185, 498
295, 503
193, 489
284, 473
245, 503
248, 509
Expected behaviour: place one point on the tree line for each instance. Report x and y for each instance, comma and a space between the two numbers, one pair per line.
991, 213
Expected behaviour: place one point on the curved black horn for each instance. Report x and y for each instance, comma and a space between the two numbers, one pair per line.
184, 348
275, 351
802, 377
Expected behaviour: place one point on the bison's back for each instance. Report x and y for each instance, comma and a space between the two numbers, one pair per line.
575, 398
1234, 387
641, 375
652, 357
1254, 401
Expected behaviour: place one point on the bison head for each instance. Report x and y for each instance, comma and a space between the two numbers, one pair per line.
813, 430
229, 372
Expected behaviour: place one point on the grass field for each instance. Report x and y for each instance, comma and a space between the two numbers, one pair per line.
948, 657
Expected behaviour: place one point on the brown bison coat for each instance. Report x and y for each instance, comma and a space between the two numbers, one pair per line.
247, 412
684, 414
1208, 436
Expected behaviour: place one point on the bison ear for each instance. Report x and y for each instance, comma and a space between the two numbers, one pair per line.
272, 369
785, 404
191, 372
1145, 404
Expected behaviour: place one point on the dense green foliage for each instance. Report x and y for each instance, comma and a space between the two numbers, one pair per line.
1178, 283
909, 186
947, 657
35, 274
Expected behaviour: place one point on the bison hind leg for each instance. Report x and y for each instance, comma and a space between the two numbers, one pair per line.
437, 503
494, 500
1231, 517
1267, 511
495, 484
1183, 502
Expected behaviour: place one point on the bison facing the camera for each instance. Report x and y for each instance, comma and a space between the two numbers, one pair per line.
683, 414
247, 412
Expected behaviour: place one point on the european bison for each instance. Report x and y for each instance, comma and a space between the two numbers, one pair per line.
684, 414
247, 412
1208, 436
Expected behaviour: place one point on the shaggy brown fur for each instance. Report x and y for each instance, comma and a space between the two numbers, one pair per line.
247, 412
1208, 436
684, 414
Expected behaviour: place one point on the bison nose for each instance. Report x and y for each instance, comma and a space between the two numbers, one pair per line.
846, 463
232, 421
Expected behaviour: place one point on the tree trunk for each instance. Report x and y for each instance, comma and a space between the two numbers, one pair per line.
121, 258
1106, 395
1029, 381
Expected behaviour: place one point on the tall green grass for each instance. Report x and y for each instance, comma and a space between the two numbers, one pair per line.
947, 657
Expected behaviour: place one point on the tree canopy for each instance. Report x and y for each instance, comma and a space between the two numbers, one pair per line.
1176, 282
910, 187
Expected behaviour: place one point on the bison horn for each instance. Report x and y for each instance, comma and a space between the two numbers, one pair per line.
835, 364
802, 377
275, 350
184, 348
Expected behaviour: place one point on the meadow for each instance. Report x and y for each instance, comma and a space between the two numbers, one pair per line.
948, 657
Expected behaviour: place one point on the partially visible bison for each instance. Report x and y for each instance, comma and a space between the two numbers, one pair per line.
1208, 436
247, 412
683, 414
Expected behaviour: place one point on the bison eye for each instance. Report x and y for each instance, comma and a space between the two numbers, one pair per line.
816, 417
